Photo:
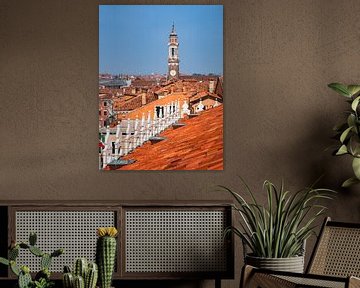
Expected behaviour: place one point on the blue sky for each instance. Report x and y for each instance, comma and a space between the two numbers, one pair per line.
133, 38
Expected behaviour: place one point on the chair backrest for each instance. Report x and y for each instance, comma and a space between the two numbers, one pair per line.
337, 251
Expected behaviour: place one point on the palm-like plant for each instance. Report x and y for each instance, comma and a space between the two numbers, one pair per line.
349, 132
280, 229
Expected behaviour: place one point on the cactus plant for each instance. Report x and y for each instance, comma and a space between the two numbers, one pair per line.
42, 278
80, 268
24, 280
84, 274
45, 261
105, 254
68, 280
91, 276
79, 282
32, 239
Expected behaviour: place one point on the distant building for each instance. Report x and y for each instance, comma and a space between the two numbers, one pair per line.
105, 109
113, 83
204, 101
173, 57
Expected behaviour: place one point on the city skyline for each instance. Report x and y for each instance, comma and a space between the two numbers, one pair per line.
133, 39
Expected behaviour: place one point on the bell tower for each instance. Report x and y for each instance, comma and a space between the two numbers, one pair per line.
173, 56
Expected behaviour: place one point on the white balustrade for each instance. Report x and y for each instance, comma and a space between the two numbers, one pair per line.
136, 140
142, 130
148, 127
130, 134
127, 138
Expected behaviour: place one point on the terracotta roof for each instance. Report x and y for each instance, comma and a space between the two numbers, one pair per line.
184, 85
196, 146
143, 83
204, 94
105, 96
131, 104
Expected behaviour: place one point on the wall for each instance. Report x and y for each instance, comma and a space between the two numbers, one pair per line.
279, 57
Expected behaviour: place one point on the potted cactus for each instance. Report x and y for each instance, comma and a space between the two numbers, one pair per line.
85, 275
42, 278
106, 254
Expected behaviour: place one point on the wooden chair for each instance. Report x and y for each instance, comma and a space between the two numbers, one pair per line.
334, 263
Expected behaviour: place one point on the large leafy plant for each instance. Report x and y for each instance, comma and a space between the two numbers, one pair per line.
348, 132
279, 229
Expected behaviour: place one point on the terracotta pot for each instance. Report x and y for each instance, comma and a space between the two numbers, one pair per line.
291, 264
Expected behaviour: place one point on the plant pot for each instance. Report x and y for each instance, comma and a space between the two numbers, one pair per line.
291, 264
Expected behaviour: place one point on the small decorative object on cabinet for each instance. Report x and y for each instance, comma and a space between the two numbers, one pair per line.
106, 254
42, 278
276, 233
349, 131
85, 274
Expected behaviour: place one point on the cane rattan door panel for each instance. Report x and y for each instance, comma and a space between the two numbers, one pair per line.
74, 231
175, 241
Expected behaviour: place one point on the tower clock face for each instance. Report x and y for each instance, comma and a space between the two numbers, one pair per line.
172, 73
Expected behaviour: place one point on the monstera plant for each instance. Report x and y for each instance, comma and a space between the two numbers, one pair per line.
348, 133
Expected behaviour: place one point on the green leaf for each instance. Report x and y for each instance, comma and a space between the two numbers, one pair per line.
342, 150
345, 134
4, 261
356, 167
355, 103
340, 88
353, 89
14, 268
354, 145
351, 120
349, 182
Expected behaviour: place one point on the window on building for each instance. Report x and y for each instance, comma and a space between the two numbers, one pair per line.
158, 110
105, 112
113, 148
172, 52
105, 103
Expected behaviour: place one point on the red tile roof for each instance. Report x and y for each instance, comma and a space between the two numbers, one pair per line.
204, 94
196, 146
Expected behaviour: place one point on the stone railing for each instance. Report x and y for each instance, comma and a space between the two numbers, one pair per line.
132, 133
